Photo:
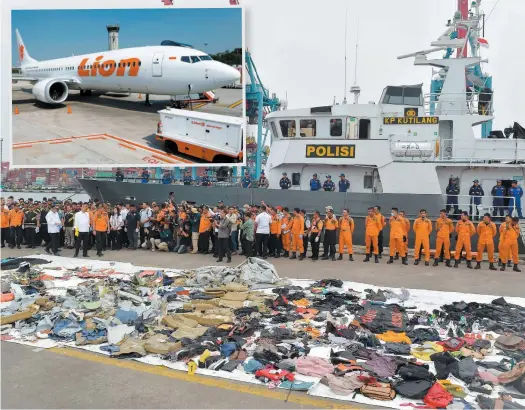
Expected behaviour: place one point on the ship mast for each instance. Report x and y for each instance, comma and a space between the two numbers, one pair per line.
355, 89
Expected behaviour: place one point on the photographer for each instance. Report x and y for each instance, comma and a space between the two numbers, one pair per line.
223, 225
205, 226
184, 235
194, 218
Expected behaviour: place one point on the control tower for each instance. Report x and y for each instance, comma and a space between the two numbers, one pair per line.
113, 30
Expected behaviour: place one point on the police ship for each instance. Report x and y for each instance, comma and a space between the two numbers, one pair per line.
409, 150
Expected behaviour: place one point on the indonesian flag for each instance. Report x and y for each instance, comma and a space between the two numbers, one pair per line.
483, 42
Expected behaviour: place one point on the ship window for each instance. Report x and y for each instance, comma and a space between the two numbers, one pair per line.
412, 96
394, 96
195, 59
287, 128
336, 127
274, 129
308, 128
368, 182
185, 59
296, 178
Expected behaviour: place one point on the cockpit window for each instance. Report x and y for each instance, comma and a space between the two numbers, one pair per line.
185, 59
205, 58
195, 59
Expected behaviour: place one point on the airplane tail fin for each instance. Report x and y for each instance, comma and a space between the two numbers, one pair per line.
23, 55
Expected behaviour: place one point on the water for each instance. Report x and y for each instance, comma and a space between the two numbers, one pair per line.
40, 195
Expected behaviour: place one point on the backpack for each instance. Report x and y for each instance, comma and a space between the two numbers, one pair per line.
413, 389
412, 371
510, 342
437, 397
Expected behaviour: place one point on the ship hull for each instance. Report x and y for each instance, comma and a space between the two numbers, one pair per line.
357, 203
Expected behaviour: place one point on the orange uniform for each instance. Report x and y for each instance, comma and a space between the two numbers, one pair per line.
297, 232
286, 227
397, 231
508, 244
16, 218
486, 233
422, 228
372, 227
464, 229
444, 227
101, 221
4, 218
204, 224
160, 216
346, 230
275, 225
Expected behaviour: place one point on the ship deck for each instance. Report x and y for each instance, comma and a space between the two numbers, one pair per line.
119, 115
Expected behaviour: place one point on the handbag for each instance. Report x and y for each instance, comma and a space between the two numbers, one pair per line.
378, 391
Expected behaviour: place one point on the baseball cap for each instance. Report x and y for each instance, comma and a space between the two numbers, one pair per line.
328, 176
342, 175
475, 180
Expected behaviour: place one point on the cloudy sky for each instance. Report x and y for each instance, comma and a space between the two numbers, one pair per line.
298, 47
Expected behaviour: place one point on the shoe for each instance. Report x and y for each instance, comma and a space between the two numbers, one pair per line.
376, 258
416, 262
447, 264
350, 258
286, 254
333, 258
367, 258
56, 254
427, 263
234, 253
301, 257
404, 261
277, 256
219, 260
229, 260
294, 256
380, 256
314, 258
516, 269
325, 258
48, 251
265, 257
435, 262
441, 259
396, 258
502, 267
478, 265
509, 264
75, 255
492, 267
18, 247
391, 260
499, 262
340, 258
456, 263
469, 265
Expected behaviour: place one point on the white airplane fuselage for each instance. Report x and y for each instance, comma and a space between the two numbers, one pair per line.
164, 70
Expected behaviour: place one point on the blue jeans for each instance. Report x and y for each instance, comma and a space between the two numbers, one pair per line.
234, 235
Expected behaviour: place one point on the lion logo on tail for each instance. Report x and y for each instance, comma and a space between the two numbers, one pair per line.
21, 52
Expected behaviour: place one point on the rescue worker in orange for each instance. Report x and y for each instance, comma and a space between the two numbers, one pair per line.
315, 234
16, 220
405, 236
397, 231
297, 231
346, 230
286, 227
464, 230
422, 228
372, 227
4, 223
331, 224
101, 224
444, 229
486, 233
204, 231
508, 219
508, 246
275, 235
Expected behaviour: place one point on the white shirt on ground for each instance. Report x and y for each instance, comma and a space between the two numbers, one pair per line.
53, 222
82, 221
263, 223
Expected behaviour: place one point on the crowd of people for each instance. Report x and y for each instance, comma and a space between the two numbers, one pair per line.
262, 230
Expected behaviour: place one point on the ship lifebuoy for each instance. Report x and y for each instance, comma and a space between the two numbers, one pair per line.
437, 148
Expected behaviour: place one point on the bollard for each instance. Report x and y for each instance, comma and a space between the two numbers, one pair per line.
69, 109
16, 110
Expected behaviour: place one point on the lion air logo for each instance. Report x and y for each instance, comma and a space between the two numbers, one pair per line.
21, 52
202, 124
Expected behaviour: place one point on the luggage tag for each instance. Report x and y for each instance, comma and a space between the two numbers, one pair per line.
192, 368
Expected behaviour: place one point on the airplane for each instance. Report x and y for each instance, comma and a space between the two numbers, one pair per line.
169, 69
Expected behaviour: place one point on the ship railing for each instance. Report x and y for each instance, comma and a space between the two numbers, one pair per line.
494, 205
491, 150
472, 103
233, 181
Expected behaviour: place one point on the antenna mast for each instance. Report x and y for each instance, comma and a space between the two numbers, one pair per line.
355, 89
346, 37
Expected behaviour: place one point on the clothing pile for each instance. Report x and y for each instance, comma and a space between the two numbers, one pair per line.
325, 337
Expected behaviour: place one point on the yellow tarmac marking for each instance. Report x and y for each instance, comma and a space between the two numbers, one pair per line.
196, 107
277, 394
235, 104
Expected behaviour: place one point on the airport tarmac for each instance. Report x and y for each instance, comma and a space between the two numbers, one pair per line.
99, 129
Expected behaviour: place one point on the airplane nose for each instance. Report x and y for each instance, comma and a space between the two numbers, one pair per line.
225, 75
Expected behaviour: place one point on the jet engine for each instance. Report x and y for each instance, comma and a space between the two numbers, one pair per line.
50, 91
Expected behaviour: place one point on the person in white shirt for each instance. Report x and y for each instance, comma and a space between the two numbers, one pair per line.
145, 216
262, 232
54, 224
82, 227
115, 227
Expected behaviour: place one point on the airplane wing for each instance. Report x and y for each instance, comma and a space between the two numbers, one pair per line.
71, 82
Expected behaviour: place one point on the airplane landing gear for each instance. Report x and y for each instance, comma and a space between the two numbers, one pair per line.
147, 103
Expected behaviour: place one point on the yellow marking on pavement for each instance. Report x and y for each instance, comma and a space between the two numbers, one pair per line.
196, 107
235, 104
277, 394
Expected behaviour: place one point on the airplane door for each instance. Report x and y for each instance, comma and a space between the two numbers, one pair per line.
157, 64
